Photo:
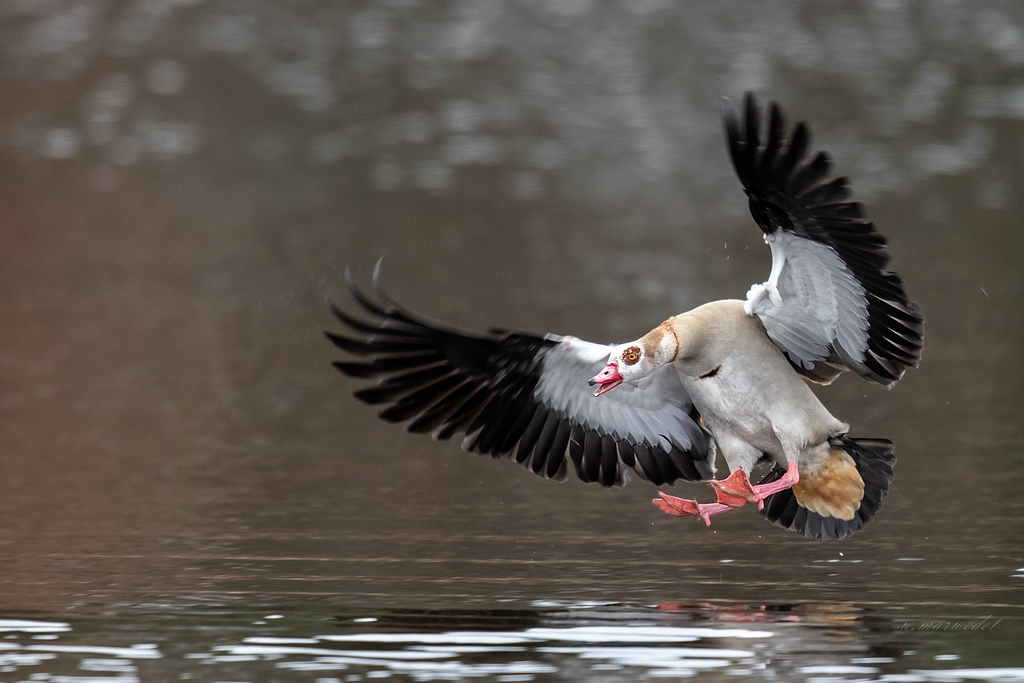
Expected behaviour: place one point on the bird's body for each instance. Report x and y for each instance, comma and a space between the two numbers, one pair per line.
748, 394
755, 405
729, 376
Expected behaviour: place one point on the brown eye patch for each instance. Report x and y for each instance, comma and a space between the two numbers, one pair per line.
631, 355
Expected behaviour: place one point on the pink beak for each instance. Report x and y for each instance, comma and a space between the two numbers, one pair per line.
609, 378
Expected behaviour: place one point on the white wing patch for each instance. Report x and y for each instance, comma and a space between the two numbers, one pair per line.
654, 410
812, 304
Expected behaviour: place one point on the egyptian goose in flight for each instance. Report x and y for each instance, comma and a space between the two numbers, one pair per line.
728, 376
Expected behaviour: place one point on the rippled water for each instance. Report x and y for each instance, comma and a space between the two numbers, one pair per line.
540, 641
188, 489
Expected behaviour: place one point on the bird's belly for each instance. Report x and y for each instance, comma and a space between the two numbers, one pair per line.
757, 401
732, 406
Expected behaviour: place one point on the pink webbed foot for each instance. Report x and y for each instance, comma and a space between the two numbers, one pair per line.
736, 490
788, 480
681, 507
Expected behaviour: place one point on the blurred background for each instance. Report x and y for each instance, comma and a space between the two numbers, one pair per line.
183, 183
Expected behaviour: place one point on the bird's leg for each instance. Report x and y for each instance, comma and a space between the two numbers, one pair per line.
736, 490
733, 492
788, 480
681, 507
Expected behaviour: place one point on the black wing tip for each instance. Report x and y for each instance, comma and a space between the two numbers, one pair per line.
762, 165
385, 305
377, 313
378, 287
346, 343
895, 334
442, 380
339, 313
730, 116
773, 165
751, 117
361, 298
354, 369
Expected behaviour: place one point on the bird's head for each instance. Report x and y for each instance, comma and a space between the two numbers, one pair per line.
635, 360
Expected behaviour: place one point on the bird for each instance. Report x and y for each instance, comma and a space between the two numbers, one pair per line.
730, 377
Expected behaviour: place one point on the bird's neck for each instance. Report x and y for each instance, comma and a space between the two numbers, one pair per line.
661, 344
709, 330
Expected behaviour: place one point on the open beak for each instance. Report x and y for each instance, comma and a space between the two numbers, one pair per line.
608, 379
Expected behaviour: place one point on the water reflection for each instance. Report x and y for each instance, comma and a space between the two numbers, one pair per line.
54, 655
571, 641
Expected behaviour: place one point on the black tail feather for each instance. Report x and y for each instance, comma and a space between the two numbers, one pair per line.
874, 459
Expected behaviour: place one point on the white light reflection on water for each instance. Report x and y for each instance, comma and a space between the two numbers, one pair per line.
145, 651
629, 650
23, 626
590, 634
1001, 675
638, 648
116, 660
419, 655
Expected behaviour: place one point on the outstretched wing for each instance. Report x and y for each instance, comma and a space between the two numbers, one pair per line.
524, 396
830, 303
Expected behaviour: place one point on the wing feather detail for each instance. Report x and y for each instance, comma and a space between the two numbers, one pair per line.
830, 303
521, 396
